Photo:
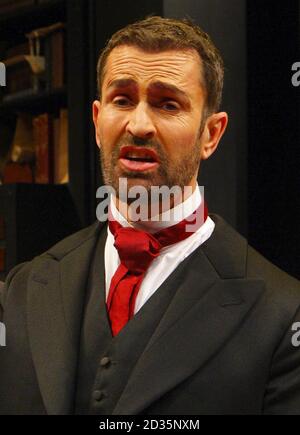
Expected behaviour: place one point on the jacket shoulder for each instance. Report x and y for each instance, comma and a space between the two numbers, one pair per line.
284, 289
74, 241
233, 257
19, 275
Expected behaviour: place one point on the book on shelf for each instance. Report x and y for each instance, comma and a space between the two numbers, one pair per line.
60, 149
17, 173
42, 133
18, 166
38, 152
51, 147
22, 147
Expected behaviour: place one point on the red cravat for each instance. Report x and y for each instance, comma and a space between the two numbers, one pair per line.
137, 249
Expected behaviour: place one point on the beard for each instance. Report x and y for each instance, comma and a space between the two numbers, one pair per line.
169, 173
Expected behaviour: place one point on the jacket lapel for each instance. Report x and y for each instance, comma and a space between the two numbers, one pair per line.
209, 306
56, 290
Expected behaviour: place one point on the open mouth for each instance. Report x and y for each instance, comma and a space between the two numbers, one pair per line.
138, 159
138, 154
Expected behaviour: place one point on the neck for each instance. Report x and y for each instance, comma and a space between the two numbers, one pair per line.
139, 211
181, 210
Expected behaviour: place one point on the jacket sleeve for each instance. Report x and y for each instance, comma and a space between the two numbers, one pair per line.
283, 392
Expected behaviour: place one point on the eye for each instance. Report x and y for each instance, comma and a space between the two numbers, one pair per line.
170, 106
121, 101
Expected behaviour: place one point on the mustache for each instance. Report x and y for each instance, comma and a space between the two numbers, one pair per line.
137, 141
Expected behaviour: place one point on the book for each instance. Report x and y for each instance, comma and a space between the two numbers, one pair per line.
18, 163
39, 150
17, 173
60, 148
22, 147
42, 134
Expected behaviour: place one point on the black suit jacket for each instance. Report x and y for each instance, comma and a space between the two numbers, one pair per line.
224, 345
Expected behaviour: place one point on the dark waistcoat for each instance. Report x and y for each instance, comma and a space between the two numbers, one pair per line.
106, 362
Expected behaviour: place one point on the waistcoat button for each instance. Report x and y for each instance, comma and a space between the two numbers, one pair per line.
105, 361
98, 395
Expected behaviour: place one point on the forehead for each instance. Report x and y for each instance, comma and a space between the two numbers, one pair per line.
182, 68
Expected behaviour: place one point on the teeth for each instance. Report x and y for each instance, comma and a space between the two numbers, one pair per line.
136, 156
139, 157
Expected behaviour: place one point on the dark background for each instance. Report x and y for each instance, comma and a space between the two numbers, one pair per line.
253, 179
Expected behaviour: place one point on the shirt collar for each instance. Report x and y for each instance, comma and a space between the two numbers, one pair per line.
166, 219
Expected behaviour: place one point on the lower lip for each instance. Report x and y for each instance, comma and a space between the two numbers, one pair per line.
132, 165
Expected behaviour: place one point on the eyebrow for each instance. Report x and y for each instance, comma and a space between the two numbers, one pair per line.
122, 83
157, 85
168, 87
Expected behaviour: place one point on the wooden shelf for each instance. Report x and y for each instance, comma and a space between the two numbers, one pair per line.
36, 102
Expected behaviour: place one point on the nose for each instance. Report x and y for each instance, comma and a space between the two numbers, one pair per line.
140, 123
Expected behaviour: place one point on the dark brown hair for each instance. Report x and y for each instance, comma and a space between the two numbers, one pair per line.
155, 34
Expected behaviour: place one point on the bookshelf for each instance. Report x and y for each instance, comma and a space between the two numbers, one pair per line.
37, 213
88, 25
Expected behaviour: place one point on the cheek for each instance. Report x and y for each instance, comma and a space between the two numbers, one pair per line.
110, 127
179, 139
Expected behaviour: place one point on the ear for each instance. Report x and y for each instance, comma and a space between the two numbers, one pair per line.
96, 113
214, 128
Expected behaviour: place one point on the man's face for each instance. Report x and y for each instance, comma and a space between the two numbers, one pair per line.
148, 121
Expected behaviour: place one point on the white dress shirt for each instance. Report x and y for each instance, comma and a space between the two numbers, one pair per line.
170, 256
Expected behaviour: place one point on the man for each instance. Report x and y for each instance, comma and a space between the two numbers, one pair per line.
145, 317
